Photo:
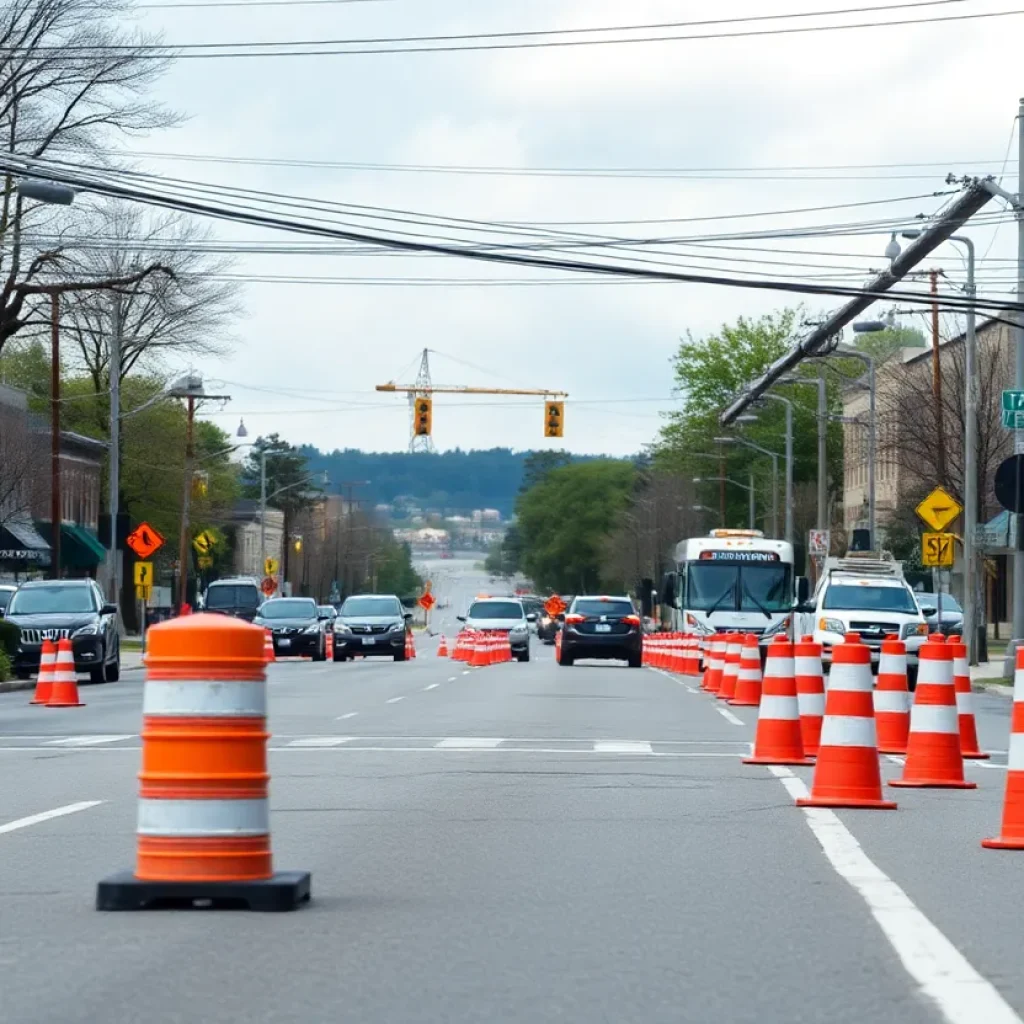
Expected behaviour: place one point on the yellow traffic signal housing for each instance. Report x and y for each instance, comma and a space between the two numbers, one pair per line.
422, 416
554, 418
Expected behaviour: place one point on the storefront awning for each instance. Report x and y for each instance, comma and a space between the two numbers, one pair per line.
80, 548
20, 542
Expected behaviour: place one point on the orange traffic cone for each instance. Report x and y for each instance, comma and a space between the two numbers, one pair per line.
965, 702
64, 692
748, 680
478, 656
411, 640
778, 739
847, 773
714, 665
731, 668
892, 699
268, 647
933, 747
329, 645
44, 682
442, 647
810, 692
1011, 834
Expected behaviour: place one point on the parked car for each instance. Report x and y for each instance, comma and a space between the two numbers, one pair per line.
371, 625
239, 597
602, 627
74, 610
296, 625
952, 614
503, 615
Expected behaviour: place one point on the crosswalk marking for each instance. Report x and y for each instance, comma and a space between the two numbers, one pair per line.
469, 743
322, 741
86, 741
622, 747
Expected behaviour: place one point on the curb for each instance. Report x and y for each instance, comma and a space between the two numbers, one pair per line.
17, 685
999, 691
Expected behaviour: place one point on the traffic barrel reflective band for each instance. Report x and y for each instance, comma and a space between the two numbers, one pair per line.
748, 679
778, 739
810, 691
731, 668
933, 746
969, 746
1011, 834
892, 698
716, 664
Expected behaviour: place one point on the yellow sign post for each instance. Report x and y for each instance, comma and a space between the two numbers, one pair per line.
204, 542
938, 549
270, 567
143, 574
938, 510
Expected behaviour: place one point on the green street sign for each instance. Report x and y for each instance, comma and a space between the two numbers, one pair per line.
1013, 420
1013, 401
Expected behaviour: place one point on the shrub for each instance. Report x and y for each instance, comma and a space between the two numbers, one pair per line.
5, 667
9, 636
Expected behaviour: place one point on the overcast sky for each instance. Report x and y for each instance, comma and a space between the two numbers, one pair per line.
307, 356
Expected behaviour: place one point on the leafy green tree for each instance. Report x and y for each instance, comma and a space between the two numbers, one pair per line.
394, 570
882, 345
537, 465
564, 522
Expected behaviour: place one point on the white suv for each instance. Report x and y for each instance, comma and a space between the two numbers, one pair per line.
867, 596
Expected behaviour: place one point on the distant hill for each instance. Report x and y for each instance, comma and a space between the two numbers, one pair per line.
455, 482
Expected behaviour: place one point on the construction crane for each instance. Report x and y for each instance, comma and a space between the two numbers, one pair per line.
421, 404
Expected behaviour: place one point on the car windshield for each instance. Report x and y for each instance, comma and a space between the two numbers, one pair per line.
496, 610
949, 602
867, 598
596, 606
232, 596
5, 597
52, 600
289, 608
371, 606
325, 609
747, 587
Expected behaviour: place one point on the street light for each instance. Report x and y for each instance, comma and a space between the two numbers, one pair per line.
774, 456
749, 488
973, 626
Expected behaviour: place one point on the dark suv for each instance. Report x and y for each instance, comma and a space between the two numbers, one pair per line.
371, 624
297, 626
66, 609
240, 598
602, 627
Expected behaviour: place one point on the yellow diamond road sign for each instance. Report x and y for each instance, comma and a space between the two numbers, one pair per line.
939, 509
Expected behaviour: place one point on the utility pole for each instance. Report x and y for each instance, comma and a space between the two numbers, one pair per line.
751, 503
937, 381
1018, 555
186, 503
114, 475
721, 490
56, 512
822, 448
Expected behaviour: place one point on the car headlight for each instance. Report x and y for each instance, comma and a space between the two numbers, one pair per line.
518, 629
312, 629
831, 626
340, 627
396, 627
90, 630
915, 629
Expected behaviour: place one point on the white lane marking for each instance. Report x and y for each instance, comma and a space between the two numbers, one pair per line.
729, 716
432, 686
469, 743
452, 679
349, 714
437, 749
57, 812
691, 689
87, 741
944, 974
395, 700
622, 747
322, 741
465, 671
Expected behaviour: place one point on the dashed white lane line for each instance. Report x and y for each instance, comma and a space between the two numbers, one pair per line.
469, 743
729, 716
86, 741
432, 686
451, 679
622, 747
322, 741
465, 671
57, 812
942, 972
395, 700
350, 714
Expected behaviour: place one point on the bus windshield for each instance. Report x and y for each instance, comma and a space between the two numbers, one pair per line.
730, 587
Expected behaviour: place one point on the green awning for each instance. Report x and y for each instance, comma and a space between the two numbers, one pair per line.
80, 548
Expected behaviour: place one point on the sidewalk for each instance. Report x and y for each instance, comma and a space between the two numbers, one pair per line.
131, 662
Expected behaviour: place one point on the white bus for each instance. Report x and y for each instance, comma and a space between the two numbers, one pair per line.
732, 581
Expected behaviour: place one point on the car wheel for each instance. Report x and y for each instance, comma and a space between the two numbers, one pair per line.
525, 656
339, 655
565, 659
22, 674
98, 674
321, 652
636, 661
400, 656
112, 672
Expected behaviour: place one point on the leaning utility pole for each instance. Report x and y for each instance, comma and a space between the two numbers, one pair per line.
940, 454
1018, 440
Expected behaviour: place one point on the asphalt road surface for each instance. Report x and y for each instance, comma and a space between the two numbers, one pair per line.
517, 843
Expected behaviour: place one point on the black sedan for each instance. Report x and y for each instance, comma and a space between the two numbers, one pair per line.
297, 626
602, 627
372, 625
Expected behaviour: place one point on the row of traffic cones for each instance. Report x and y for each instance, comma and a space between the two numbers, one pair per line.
673, 652
478, 649
57, 683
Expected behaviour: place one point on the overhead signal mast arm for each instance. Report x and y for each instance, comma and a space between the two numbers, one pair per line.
447, 389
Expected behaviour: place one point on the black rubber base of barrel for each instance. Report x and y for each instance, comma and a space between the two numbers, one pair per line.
287, 890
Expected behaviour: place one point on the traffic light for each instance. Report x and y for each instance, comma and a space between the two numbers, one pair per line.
297, 543
554, 418
423, 414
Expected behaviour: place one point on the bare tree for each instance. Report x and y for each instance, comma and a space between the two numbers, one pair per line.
187, 313
71, 81
21, 454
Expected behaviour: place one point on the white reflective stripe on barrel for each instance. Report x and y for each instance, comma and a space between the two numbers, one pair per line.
752, 675
781, 708
844, 731
934, 672
960, 667
892, 700
855, 678
1018, 685
812, 705
964, 704
941, 718
204, 818
203, 698
805, 665
778, 668
892, 664
1015, 762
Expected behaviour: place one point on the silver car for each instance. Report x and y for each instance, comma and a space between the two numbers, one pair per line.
503, 615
